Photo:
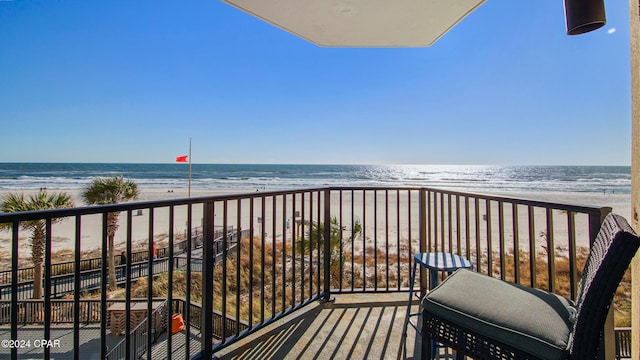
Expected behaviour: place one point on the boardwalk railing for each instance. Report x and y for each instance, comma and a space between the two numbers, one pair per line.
31, 312
90, 279
299, 246
63, 268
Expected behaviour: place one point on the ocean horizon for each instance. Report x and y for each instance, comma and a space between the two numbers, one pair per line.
270, 177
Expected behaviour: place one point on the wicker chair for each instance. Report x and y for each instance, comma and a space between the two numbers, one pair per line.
486, 318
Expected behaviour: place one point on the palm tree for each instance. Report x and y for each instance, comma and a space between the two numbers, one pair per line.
315, 238
112, 190
38, 201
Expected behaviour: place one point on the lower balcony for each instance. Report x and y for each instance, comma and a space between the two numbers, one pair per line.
254, 276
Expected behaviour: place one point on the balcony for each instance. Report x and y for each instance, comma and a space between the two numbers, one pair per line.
305, 272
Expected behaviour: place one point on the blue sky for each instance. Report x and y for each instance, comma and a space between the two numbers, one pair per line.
132, 81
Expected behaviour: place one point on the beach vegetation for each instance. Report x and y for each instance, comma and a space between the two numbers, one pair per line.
112, 190
267, 287
338, 237
38, 201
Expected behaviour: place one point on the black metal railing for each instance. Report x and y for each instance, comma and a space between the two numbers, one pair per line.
67, 267
62, 280
290, 248
538, 244
623, 343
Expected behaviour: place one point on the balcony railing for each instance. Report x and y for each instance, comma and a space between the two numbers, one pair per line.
62, 279
285, 250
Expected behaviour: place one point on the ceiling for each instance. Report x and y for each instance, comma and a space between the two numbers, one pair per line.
362, 23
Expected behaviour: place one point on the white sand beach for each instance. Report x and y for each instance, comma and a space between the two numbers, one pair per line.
91, 225
91, 236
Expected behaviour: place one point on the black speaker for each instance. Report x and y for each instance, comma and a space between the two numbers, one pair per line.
584, 15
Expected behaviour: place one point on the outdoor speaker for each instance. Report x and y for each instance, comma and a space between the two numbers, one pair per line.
584, 15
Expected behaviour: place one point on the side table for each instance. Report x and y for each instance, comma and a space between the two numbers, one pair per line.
434, 262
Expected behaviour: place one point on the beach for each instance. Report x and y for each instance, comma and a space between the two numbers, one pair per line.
91, 235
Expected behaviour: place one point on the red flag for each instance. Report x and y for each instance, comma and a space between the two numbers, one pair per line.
182, 158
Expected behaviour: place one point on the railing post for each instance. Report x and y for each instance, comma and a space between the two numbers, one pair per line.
327, 246
423, 237
595, 222
208, 260
103, 287
14, 288
609, 339
634, 35
609, 325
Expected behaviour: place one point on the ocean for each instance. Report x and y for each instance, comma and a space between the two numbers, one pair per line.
472, 178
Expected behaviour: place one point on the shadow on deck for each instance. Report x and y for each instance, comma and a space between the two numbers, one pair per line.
355, 326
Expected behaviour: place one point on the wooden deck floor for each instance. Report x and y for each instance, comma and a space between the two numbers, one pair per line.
359, 326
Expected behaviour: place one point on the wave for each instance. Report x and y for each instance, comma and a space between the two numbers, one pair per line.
283, 177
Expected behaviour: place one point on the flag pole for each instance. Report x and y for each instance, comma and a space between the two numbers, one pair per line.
189, 190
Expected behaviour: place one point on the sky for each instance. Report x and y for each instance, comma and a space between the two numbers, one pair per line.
132, 81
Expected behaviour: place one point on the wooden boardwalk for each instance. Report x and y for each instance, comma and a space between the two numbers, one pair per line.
89, 343
91, 279
31, 334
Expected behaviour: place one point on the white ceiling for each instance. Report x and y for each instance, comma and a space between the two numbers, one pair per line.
362, 23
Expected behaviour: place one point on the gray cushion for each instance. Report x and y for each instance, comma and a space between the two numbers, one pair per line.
521, 317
